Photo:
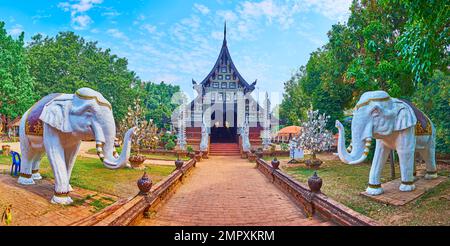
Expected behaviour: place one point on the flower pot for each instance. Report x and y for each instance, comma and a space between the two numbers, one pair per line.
205, 154
191, 155
251, 157
137, 161
313, 163
244, 155
259, 153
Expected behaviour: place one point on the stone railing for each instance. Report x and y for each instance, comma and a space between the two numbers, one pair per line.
313, 203
126, 211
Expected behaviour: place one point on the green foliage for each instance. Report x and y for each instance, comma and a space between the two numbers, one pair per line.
284, 146
16, 84
434, 100
425, 39
157, 99
294, 101
170, 145
166, 137
67, 62
189, 149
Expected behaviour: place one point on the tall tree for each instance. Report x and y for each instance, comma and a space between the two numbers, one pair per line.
16, 84
434, 99
424, 43
67, 62
157, 99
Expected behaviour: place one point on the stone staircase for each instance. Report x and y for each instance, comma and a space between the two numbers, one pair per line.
224, 149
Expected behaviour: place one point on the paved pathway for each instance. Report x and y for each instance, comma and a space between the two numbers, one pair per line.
31, 204
229, 191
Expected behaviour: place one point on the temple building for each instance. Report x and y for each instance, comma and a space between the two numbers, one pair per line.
223, 106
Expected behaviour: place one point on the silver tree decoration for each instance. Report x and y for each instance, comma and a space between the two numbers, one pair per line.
181, 138
314, 136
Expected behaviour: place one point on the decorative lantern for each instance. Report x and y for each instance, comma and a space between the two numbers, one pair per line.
144, 184
275, 163
179, 163
315, 183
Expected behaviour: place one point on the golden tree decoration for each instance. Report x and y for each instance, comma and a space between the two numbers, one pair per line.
146, 133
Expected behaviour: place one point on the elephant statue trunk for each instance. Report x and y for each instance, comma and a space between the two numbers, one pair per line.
104, 137
359, 148
110, 161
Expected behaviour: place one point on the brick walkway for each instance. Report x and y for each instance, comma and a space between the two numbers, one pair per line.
31, 204
228, 191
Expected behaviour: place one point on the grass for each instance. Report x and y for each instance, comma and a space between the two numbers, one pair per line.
344, 183
95, 201
149, 156
89, 173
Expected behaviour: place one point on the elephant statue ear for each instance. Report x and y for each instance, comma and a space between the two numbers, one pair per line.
405, 115
56, 114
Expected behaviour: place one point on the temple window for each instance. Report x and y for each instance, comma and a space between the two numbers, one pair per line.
227, 77
216, 84
232, 85
220, 77
223, 85
224, 69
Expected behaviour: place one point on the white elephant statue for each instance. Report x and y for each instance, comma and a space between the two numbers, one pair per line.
396, 125
57, 124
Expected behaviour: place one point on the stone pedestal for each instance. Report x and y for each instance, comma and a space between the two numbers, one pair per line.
251, 157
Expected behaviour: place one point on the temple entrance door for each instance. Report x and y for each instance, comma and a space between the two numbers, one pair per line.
223, 134
220, 132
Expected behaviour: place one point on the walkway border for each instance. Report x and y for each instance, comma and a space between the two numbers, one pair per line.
124, 212
313, 203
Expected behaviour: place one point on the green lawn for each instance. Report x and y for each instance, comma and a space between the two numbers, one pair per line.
149, 156
344, 183
89, 173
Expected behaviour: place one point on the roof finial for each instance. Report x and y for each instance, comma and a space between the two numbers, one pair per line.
225, 32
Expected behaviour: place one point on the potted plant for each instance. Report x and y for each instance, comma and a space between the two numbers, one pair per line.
315, 137
259, 153
190, 151
284, 147
251, 155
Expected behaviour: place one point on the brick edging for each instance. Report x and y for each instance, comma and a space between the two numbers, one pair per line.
124, 212
313, 203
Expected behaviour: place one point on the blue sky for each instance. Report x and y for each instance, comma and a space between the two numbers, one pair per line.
177, 40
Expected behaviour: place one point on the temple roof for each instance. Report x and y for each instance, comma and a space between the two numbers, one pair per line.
225, 56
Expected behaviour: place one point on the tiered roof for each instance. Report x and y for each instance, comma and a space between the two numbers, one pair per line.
225, 58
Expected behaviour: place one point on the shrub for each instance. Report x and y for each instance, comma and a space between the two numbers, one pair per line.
170, 145
189, 149
284, 146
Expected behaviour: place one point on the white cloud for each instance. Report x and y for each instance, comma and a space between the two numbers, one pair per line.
117, 34
79, 19
227, 15
16, 30
201, 8
332, 9
149, 28
81, 22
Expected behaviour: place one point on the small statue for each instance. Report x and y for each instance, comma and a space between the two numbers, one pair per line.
245, 130
7, 215
204, 140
